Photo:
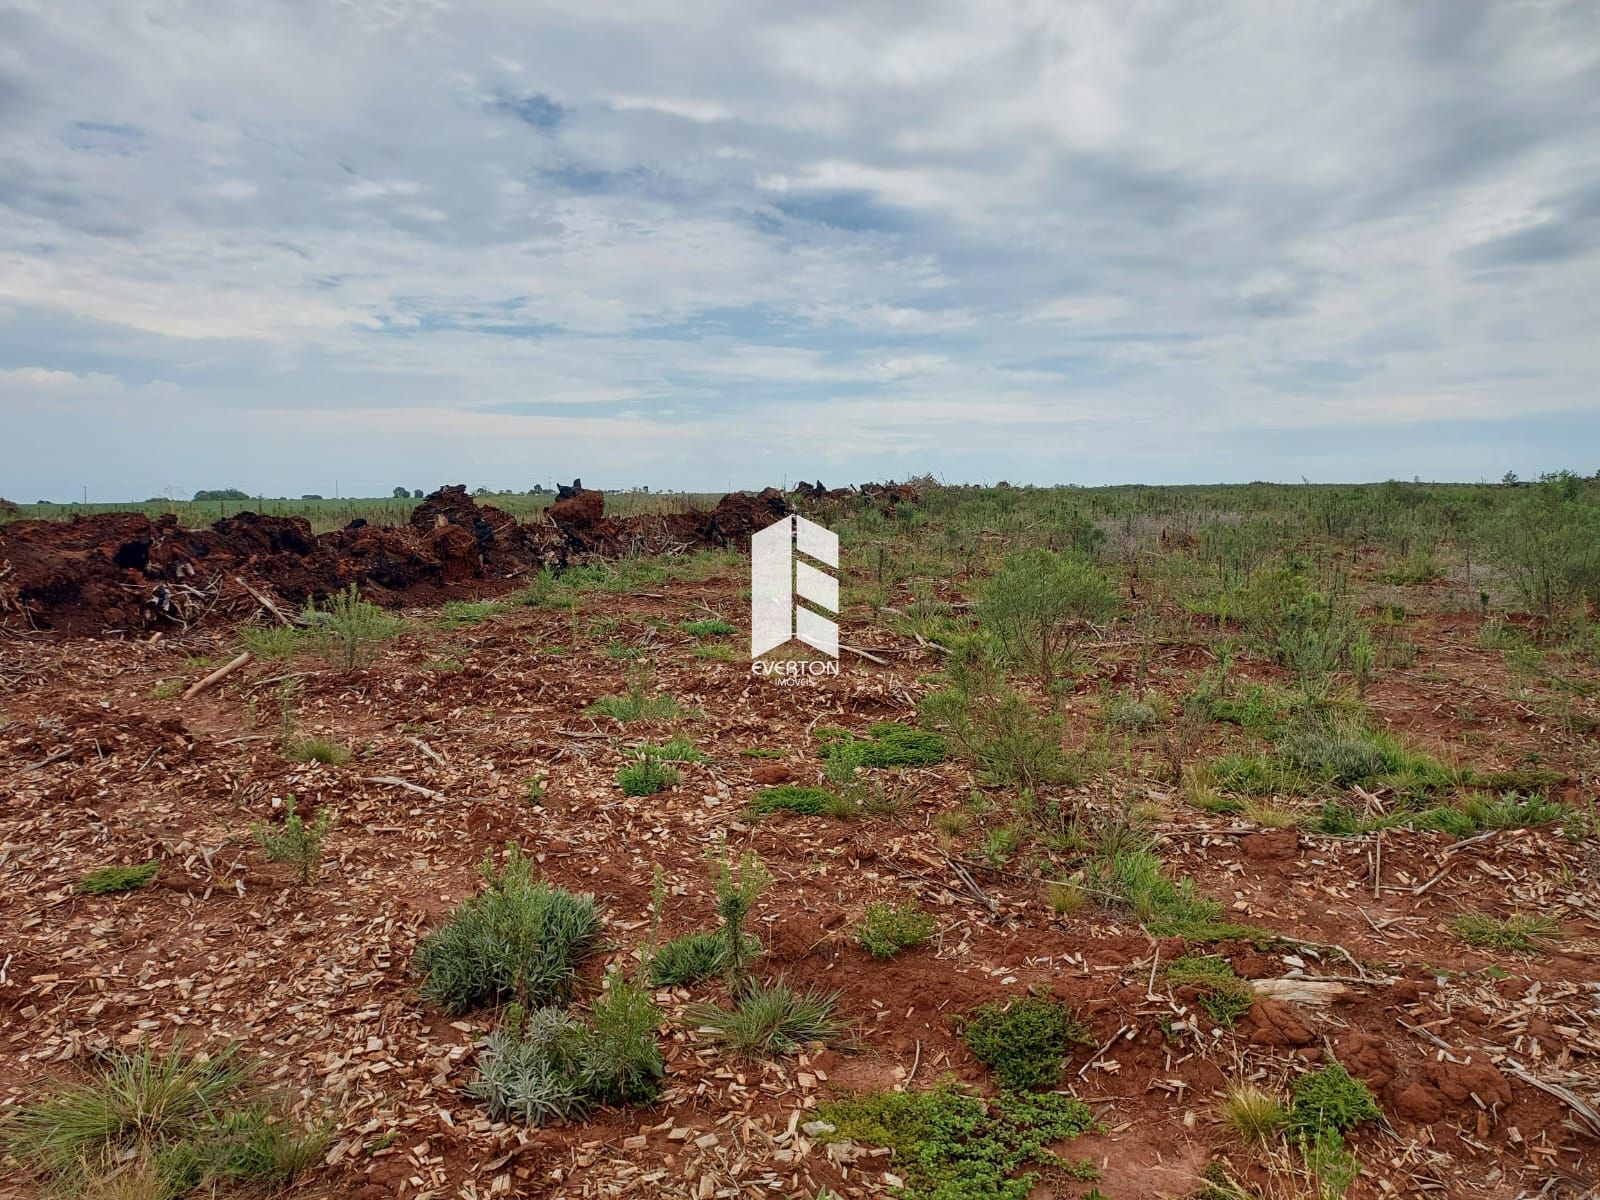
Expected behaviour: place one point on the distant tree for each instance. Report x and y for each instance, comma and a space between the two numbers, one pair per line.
417, 494
221, 494
1509, 479
401, 493
480, 491
311, 496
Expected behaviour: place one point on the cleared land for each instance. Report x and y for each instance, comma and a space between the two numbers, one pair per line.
1292, 777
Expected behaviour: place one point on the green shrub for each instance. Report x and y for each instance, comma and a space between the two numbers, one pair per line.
1330, 1099
1025, 1042
1038, 605
169, 1122
1223, 995
696, 956
950, 1145
647, 777
350, 628
1547, 541
886, 929
295, 842
118, 879
517, 939
769, 1019
620, 1062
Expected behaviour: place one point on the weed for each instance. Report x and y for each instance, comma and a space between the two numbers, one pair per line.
636, 704
295, 842
316, 749
167, 689
1067, 897
697, 956
886, 929
1223, 995
951, 1145
174, 1123
679, 749
1525, 933
760, 752
887, 744
456, 614
1025, 1042
647, 777
272, 642
788, 797
1330, 1099
118, 879
1252, 1112
1165, 907
517, 939
1126, 710
349, 629
708, 627
770, 1019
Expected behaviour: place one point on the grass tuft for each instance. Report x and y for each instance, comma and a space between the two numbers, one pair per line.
768, 1019
887, 929
1525, 933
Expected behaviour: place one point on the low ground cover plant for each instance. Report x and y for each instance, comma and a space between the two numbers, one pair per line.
1025, 1042
887, 929
108, 880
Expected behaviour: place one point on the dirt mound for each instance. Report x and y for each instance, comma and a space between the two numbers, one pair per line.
124, 572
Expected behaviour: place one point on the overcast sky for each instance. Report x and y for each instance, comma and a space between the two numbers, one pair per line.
276, 245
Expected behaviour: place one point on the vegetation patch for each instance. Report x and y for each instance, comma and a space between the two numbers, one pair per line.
1025, 1042
119, 879
887, 929
160, 1125
295, 842
1223, 995
1523, 933
518, 939
768, 1019
788, 797
951, 1145
545, 1064
647, 777
708, 627
887, 744
697, 956
316, 749
1166, 907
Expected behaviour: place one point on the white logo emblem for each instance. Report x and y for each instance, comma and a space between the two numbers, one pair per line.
778, 575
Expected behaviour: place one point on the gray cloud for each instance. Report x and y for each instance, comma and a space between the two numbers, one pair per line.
508, 228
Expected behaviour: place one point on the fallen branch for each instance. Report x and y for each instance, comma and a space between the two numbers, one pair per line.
1300, 991
265, 602
426, 749
395, 781
218, 675
882, 662
65, 752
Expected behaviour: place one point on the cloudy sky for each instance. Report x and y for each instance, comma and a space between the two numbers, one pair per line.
275, 245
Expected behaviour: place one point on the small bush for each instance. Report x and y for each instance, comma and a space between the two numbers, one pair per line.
1026, 1042
295, 842
349, 629
518, 939
737, 885
1038, 605
316, 749
887, 929
1126, 710
1223, 995
770, 1019
1525, 933
697, 956
646, 778
118, 879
